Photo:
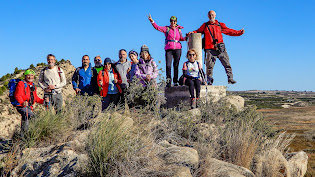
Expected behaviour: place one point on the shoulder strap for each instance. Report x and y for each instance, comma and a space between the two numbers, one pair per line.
59, 72
214, 40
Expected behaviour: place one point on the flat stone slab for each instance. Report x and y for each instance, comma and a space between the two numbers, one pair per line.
176, 95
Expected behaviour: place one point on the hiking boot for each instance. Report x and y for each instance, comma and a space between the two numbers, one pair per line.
197, 102
192, 103
231, 81
168, 85
176, 84
209, 80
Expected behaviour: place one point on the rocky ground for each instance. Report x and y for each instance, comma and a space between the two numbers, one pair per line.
70, 157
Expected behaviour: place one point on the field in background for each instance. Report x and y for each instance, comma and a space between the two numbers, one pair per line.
291, 111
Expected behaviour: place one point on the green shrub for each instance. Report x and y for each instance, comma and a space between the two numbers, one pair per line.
47, 126
32, 66
17, 70
5, 77
150, 97
108, 142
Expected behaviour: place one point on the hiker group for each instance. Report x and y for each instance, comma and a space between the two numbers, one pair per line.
111, 79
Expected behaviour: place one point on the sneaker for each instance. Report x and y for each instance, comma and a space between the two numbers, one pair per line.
209, 80
176, 84
231, 81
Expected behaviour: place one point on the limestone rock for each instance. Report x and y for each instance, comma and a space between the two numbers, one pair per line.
217, 168
179, 155
271, 163
50, 161
182, 172
298, 163
236, 101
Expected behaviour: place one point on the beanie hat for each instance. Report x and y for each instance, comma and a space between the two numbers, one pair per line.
144, 48
133, 52
108, 60
173, 18
29, 71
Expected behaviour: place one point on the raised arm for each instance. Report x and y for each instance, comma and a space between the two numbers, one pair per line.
157, 27
231, 32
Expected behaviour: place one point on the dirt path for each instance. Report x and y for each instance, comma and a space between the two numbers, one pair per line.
300, 121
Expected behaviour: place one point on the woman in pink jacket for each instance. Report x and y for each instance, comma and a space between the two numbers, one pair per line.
173, 48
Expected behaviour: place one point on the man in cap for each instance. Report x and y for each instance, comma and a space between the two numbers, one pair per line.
214, 46
25, 94
52, 79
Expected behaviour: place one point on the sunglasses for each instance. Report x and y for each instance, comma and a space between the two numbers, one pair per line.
173, 21
191, 54
97, 60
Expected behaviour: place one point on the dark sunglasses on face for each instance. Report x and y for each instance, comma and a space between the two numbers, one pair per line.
173, 21
191, 54
97, 60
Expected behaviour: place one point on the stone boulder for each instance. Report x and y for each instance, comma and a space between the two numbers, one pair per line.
173, 154
234, 101
298, 163
271, 163
182, 172
217, 168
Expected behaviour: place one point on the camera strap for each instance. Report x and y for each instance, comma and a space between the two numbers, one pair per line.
214, 40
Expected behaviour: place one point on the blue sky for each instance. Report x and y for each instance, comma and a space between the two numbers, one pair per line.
275, 53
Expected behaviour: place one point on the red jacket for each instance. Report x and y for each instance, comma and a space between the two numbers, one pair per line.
216, 32
23, 93
105, 81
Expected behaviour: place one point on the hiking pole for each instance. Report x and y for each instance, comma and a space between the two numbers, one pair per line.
205, 79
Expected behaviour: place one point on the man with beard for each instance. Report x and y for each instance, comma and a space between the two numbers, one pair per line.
123, 66
82, 77
96, 69
51, 80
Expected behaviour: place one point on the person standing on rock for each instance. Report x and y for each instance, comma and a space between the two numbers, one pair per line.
110, 82
25, 94
52, 79
147, 70
214, 46
96, 69
173, 48
192, 71
82, 77
123, 66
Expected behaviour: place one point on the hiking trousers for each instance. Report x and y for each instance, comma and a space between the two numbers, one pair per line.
211, 56
169, 55
110, 98
193, 84
27, 114
55, 101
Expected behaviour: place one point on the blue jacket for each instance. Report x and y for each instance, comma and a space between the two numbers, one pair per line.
84, 79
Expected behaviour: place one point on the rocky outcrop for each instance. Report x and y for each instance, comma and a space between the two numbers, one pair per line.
234, 101
179, 155
297, 163
57, 160
217, 168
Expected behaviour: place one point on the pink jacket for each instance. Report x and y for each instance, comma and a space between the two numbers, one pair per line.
173, 34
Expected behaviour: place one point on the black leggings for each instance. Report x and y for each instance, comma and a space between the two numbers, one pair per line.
193, 84
169, 55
